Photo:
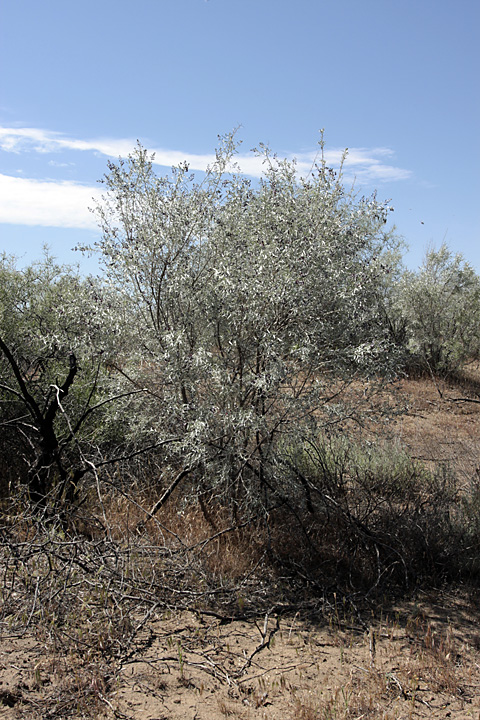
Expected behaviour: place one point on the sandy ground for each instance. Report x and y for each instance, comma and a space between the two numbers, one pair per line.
422, 661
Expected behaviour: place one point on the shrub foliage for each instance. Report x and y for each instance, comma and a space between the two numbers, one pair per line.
252, 305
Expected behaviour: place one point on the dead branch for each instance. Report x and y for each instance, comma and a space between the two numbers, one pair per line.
155, 508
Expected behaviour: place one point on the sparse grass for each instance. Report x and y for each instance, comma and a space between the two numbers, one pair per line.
416, 680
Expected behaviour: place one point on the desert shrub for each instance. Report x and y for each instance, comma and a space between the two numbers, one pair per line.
56, 413
467, 530
251, 306
374, 515
439, 306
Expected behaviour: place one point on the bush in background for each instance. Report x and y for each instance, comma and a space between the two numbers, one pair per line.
439, 307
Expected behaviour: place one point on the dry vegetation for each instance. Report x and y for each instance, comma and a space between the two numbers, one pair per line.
189, 616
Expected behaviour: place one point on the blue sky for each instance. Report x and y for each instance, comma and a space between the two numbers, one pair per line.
395, 81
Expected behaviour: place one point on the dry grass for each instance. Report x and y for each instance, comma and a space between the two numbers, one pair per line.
437, 426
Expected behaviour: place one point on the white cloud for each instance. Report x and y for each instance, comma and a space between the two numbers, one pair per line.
65, 204
55, 163
19, 140
56, 204
366, 165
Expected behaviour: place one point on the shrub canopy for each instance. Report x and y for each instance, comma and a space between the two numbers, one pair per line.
250, 303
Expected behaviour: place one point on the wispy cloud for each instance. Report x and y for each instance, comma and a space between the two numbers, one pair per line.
366, 165
38, 202
19, 140
45, 202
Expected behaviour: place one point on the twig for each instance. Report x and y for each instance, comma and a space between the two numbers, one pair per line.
264, 644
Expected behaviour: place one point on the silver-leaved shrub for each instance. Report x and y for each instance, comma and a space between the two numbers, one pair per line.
251, 307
